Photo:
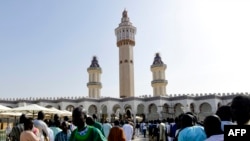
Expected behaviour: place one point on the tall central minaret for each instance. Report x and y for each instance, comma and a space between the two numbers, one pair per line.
125, 35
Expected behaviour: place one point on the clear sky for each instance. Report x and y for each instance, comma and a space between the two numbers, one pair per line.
46, 46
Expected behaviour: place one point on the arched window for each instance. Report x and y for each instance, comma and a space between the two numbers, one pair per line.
70, 108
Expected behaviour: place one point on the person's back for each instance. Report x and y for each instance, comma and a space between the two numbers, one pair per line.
91, 121
98, 125
144, 129
55, 130
55, 127
162, 134
155, 129
192, 133
17, 130
212, 126
42, 126
51, 135
128, 129
116, 133
240, 108
106, 128
189, 131
8, 130
150, 129
27, 134
172, 128
225, 115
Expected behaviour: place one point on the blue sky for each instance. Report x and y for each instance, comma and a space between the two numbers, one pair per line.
47, 46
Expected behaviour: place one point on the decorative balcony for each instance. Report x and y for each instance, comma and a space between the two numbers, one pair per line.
94, 83
159, 81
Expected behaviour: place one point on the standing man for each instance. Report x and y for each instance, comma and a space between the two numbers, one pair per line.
225, 115
116, 133
28, 134
106, 128
84, 132
128, 129
18, 129
137, 128
144, 129
162, 129
64, 135
98, 124
42, 126
240, 108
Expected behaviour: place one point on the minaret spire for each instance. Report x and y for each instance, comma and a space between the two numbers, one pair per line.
158, 70
125, 19
125, 37
94, 83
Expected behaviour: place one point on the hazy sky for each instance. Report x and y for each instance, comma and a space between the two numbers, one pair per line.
46, 46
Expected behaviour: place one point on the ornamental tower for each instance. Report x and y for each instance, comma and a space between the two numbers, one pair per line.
125, 37
158, 83
94, 83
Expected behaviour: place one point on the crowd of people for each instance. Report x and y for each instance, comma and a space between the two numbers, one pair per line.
185, 127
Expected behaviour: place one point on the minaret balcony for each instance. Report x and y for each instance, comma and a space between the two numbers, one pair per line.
94, 83
94, 68
158, 65
159, 81
125, 42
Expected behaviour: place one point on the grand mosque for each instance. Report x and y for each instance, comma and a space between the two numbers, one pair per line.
159, 106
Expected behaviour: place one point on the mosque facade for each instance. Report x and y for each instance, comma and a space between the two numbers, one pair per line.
159, 106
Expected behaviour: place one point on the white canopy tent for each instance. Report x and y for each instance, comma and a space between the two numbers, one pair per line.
60, 112
10, 114
31, 109
67, 113
4, 108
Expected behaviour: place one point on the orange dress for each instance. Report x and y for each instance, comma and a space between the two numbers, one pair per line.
116, 134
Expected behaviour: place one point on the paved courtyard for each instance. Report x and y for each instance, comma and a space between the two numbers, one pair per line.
141, 138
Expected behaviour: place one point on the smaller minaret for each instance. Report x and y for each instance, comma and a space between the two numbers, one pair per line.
158, 83
94, 84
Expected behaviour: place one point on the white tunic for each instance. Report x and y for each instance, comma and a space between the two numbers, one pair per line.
128, 130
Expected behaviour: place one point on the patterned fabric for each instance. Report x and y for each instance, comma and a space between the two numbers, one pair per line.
88, 134
16, 132
61, 136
